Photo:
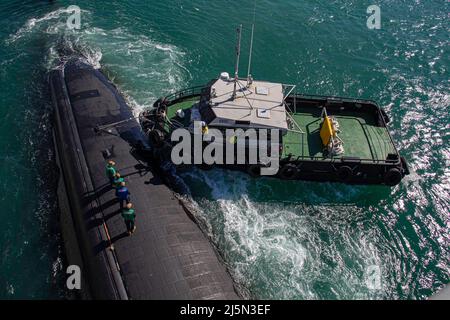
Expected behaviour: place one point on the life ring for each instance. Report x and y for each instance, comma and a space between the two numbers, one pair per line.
156, 137
254, 170
392, 177
288, 172
344, 174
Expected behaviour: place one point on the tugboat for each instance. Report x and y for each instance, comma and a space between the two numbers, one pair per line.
321, 138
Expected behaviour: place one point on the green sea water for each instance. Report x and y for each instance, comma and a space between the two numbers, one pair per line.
280, 240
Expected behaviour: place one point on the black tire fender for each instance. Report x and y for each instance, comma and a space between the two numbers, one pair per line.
288, 172
156, 137
254, 170
166, 151
392, 177
344, 174
405, 166
385, 116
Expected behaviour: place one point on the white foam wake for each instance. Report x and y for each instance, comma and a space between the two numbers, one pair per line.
35, 24
276, 251
141, 67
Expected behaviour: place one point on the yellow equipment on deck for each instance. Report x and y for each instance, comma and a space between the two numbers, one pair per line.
327, 131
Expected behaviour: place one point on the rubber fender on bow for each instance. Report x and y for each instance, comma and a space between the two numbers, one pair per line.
254, 170
288, 172
392, 177
344, 174
156, 137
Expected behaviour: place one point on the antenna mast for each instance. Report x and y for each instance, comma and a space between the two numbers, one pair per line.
249, 75
238, 53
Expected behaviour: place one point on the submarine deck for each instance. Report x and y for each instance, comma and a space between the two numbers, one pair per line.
168, 257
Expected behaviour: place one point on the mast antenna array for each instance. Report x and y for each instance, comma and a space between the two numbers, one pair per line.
249, 74
238, 53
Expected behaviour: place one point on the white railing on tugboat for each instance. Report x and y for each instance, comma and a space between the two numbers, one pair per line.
186, 93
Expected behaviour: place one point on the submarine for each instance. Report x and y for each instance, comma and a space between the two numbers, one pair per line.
168, 257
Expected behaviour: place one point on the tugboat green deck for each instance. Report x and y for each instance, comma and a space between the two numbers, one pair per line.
369, 157
361, 136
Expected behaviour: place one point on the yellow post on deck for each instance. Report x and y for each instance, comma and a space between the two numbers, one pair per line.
327, 131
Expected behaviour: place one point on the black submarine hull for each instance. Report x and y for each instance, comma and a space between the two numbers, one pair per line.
168, 257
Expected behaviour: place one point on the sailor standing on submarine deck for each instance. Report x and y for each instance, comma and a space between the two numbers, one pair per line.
111, 171
129, 215
123, 194
117, 181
